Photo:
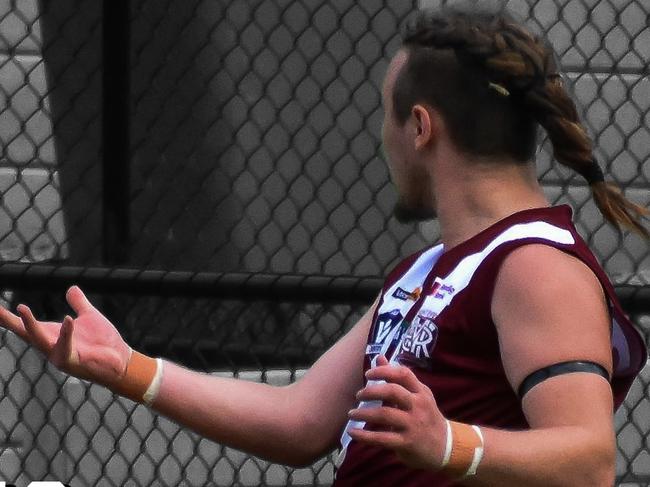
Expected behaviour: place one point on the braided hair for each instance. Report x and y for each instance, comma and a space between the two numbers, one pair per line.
495, 83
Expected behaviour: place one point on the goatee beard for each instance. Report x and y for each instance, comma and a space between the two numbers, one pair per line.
405, 213
415, 200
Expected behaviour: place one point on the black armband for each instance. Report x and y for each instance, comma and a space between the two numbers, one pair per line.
558, 369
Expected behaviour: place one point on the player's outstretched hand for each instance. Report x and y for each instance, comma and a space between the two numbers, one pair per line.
88, 346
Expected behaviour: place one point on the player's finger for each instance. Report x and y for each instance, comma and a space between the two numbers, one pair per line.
389, 393
66, 336
12, 322
380, 415
78, 300
382, 360
34, 329
395, 374
387, 439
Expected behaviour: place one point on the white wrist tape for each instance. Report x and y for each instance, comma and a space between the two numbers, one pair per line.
449, 445
152, 391
478, 454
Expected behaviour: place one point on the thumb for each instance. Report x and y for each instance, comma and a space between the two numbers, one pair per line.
78, 300
62, 352
66, 331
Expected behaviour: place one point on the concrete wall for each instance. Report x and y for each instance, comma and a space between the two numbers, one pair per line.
46, 106
31, 220
31, 217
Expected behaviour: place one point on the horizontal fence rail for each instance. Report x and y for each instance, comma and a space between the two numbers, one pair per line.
228, 285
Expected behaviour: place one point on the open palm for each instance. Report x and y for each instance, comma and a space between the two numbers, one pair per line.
88, 346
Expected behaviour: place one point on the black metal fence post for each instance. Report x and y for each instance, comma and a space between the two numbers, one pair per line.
116, 123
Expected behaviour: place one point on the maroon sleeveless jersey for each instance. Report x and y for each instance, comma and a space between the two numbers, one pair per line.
434, 316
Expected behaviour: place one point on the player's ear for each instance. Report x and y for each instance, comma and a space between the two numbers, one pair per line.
423, 125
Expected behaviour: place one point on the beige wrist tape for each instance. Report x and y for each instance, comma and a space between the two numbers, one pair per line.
141, 380
463, 450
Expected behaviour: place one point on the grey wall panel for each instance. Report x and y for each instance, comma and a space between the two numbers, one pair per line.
31, 229
20, 27
26, 129
32, 200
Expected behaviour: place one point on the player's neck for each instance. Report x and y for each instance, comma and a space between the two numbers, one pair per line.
472, 197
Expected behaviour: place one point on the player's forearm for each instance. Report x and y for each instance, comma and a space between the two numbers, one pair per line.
560, 456
253, 417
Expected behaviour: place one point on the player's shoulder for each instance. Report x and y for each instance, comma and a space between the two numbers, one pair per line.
540, 261
543, 275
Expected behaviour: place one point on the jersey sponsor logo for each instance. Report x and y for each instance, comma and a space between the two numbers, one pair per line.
373, 348
439, 290
385, 328
385, 324
400, 293
421, 336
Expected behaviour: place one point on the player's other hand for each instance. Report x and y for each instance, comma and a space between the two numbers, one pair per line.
409, 421
88, 346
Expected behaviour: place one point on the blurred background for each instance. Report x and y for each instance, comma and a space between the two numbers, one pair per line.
211, 173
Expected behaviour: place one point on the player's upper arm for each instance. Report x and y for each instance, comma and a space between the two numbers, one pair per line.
326, 392
549, 307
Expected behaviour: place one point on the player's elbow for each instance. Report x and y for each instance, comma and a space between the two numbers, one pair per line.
602, 475
310, 439
302, 455
294, 449
297, 458
592, 462
305, 449
605, 475
301, 462
600, 468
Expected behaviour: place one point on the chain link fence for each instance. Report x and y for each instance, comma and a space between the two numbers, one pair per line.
249, 143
